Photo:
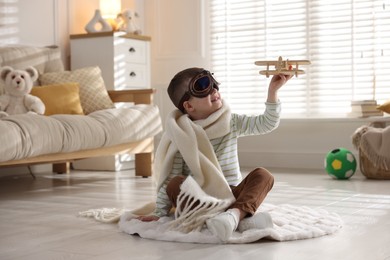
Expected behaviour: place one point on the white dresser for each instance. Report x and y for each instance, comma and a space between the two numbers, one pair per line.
124, 60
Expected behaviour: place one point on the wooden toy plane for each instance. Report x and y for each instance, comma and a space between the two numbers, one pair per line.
285, 67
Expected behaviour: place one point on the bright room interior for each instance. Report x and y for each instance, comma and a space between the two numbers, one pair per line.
40, 213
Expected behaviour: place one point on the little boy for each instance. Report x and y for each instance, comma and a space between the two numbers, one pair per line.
195, 93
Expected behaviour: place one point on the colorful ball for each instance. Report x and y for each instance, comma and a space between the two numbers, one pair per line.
340, 163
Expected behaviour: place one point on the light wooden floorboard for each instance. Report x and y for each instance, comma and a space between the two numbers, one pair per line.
38, 219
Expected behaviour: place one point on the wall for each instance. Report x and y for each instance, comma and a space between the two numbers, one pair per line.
178, 30
179, 39
299, 143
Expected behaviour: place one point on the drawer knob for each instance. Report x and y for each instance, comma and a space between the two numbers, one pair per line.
132, 50
132, 74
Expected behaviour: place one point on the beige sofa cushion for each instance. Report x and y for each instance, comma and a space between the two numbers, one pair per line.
93, 93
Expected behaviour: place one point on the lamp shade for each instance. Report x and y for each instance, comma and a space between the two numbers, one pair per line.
110, 8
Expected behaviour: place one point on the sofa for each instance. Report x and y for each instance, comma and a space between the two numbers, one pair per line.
82, 119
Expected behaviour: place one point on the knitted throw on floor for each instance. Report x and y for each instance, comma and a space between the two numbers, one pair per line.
290, 222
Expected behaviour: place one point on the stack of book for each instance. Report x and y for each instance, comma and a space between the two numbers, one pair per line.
364, 108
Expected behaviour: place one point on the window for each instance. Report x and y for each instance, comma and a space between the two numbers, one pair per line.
347, 42
8, 21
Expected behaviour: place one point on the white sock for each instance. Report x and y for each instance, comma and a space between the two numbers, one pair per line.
223, 225
260, 220
236, 213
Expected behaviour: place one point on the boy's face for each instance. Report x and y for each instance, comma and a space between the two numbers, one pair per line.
201, 108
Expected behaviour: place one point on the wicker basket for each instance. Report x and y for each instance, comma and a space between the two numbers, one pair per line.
370, 170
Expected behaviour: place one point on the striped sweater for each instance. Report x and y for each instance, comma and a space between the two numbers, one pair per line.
225, 149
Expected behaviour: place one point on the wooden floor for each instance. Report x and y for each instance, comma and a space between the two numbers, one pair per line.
39, 219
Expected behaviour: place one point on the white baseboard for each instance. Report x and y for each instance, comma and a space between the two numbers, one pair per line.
289, 160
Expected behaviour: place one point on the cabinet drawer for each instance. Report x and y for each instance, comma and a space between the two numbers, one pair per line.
134, 51
136, 75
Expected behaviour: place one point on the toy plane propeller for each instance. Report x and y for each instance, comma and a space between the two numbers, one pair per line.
286, 67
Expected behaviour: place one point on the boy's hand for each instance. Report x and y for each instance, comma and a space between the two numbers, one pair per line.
148, 218
278, 81
275, 84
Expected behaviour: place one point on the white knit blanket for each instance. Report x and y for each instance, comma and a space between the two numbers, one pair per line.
290, 223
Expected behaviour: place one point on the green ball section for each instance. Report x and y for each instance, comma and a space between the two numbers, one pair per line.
340, 164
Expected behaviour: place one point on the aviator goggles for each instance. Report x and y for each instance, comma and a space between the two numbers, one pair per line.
202, 85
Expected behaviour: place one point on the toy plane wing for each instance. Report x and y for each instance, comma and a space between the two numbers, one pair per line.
265, 62
284, 72
287, 67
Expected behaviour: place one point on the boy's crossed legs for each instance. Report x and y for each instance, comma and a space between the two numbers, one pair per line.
249, 194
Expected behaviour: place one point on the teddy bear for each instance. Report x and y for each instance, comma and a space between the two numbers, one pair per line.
128, 21
17, 86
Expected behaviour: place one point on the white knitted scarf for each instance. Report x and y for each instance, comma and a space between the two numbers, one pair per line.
207, 186
192, 139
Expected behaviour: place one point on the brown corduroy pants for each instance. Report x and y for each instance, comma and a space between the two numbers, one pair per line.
249, 194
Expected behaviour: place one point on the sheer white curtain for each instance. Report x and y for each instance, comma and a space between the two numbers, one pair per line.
347, 41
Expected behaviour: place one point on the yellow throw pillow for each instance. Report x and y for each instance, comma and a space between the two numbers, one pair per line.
59, 98
385, 107
93, 93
